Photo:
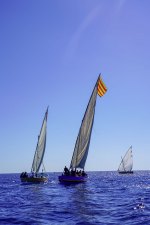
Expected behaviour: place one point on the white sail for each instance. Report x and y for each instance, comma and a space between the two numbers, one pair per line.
83, 140
40, 148
126, 164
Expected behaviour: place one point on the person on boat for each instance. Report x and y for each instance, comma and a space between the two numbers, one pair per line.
77, 172
84, 174
73, 172
66, 171
24, 175
21, 175
80, 173
42, 174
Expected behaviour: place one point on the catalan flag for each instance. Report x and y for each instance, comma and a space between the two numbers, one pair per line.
101, 87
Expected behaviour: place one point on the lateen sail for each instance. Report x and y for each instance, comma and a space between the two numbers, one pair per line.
83, 140
40, 148
127, 162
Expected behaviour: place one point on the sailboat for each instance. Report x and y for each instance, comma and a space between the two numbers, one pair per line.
35, 176
76, 174
126, 164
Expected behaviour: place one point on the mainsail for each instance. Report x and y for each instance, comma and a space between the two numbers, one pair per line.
126, 164
83, 139
40, 148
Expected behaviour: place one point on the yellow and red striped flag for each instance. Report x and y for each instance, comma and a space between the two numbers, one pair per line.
101, 87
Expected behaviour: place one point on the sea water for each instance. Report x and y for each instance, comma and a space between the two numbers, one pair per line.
106, 198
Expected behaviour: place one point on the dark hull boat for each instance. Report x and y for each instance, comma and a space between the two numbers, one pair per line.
34, 179
72, 179
125, 172
72, 175
126, 164
35, 176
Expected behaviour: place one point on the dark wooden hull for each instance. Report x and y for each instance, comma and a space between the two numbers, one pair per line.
34, 179
125, 172
72, 179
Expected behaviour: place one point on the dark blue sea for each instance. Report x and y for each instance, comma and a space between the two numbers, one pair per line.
106, 198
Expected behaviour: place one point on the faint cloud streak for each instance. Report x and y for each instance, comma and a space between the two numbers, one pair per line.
93, 14
73, 44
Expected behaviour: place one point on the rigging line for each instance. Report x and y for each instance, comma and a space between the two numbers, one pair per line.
43, 167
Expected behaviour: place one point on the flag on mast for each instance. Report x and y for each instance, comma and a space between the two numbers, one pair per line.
101, 87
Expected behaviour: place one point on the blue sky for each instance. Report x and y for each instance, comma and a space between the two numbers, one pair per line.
51, 53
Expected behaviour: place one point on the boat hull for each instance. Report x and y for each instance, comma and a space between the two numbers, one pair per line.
34, 179
72, 179
125, 172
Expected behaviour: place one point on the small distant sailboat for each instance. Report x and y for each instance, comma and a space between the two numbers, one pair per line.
126, 164
35, 176
82, 144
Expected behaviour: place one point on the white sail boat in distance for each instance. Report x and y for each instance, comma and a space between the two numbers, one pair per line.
35, 176
83, 139
126, 164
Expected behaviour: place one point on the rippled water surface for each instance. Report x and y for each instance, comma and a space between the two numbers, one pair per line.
106, 198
